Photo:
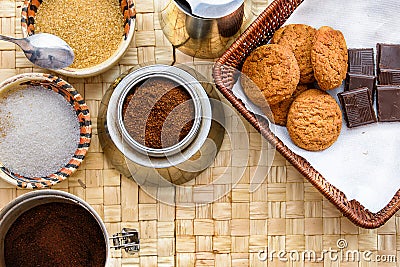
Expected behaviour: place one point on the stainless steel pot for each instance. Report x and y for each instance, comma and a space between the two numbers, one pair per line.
162, 167
198, 36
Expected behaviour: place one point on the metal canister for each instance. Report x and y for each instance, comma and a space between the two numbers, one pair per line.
127, 239
200, 36
167, 166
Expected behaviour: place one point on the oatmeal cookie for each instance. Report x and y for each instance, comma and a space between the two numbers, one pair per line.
278, 113
314, 120
329, 58
299, 37
270, 74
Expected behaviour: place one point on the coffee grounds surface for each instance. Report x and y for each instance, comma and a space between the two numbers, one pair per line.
158, 113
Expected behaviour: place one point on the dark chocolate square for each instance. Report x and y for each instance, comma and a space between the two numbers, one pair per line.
361, 61
388, 56
355, 81
388, 102
387, 76
357, 107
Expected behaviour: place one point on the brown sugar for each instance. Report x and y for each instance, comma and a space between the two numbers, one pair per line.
158, 113
93, 29
55, 234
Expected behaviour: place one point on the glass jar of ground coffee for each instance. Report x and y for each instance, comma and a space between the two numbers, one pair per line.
158, 113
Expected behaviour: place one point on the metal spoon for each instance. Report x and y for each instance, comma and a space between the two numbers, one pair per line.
44, 50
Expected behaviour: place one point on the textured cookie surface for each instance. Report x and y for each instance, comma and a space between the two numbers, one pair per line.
329, 58
270, 74
299, 38
278, 113
314, 120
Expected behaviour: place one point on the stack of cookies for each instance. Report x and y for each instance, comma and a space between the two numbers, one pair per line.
279, 77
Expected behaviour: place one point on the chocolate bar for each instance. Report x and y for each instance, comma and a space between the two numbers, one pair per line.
357, 107
361, 61
388, 56
389, 76
355, 81
361, 70
388, 102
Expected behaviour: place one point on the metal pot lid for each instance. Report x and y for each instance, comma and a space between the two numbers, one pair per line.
209, 9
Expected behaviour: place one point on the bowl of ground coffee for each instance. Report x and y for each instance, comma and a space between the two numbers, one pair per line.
51, 228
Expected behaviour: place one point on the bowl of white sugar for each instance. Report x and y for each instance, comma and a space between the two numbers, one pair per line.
45, 130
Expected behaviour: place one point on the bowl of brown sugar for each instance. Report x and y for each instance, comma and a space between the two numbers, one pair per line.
99, 32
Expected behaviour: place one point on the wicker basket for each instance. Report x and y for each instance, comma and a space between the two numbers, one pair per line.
225, 75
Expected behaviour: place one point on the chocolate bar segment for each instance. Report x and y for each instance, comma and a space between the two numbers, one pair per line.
361, 61
388, 102
388, 56
357, 107
355, 81
387, 77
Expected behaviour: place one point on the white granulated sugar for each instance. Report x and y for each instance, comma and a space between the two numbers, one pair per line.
39, 131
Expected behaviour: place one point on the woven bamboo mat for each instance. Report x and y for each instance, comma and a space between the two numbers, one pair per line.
285, 213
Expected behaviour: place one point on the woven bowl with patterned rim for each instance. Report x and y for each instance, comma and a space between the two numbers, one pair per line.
30, 8
72, 96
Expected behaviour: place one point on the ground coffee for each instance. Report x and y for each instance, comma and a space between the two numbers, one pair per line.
55, 234
158, 113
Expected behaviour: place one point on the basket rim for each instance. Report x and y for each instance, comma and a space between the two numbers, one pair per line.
352, 209
85, 129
